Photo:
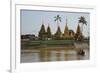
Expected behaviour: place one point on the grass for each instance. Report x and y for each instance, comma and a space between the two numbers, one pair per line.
51, 42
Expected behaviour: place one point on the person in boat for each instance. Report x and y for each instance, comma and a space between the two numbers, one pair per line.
81, 52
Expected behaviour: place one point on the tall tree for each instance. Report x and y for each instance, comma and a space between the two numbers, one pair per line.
78, 31
58, 33
58, 19
48, 32
83, 21
78, 35
42, 31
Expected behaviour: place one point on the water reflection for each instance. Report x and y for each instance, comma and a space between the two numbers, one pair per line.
52, 55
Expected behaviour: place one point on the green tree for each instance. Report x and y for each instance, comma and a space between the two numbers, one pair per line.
78, 35
78, 31
42, 32
58, 33
58, 19
48, 32
83, 21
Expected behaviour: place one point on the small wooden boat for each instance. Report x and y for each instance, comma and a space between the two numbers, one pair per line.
81, 52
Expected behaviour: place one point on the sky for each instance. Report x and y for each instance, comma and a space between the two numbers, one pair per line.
31, 21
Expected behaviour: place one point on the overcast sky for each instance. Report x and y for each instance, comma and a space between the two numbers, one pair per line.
32, 20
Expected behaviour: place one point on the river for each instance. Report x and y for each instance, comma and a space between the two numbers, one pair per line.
52, 55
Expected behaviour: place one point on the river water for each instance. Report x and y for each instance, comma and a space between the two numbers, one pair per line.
53, 55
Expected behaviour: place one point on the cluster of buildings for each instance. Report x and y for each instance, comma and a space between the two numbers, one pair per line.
58, 35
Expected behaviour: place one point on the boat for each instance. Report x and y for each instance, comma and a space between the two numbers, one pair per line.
81, 52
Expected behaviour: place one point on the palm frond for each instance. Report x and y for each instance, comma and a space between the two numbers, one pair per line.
57, 18
82, 20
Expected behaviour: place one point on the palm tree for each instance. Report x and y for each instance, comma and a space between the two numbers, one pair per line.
83, 21
57, 18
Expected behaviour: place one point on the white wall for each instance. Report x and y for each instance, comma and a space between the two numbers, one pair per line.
5, 36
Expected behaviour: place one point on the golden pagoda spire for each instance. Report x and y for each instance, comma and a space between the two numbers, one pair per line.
66, 27
66, 31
